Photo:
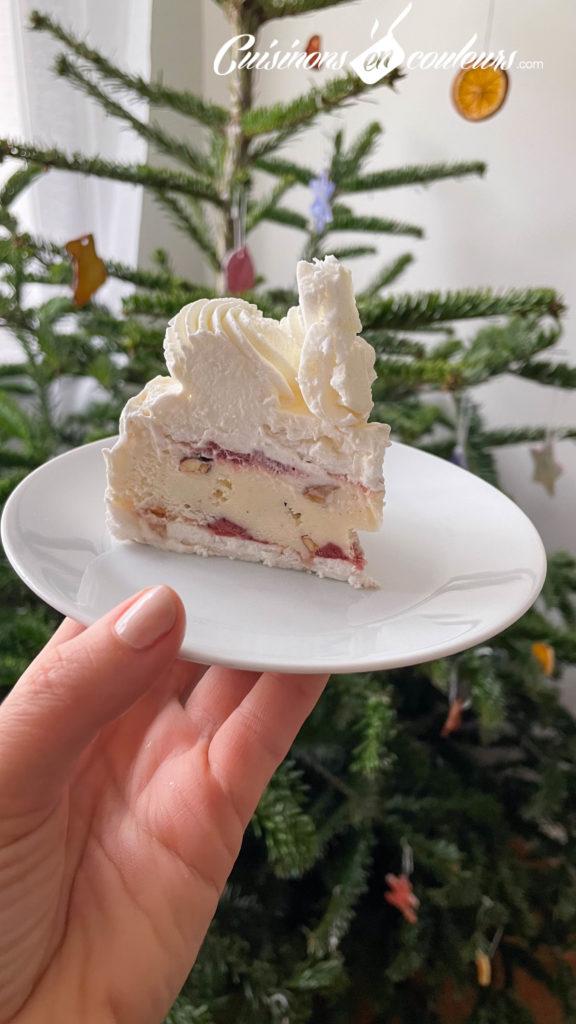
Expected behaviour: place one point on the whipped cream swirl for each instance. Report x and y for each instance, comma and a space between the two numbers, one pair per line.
310, 361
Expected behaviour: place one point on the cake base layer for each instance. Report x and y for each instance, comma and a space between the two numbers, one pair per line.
188, 538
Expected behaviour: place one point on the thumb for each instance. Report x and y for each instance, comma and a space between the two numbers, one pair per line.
71, 691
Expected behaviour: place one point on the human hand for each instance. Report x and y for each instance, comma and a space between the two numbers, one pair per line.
127, 779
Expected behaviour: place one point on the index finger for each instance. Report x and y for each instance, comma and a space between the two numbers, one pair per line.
67, 630
253, 741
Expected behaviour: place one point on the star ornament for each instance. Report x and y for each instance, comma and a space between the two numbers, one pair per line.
320, 210
402, 897
546, 469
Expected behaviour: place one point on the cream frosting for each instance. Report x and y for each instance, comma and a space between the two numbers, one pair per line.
298, 388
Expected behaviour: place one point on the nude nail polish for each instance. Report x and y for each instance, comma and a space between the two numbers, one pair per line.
150, 617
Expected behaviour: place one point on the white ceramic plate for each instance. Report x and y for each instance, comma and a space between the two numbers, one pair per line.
457, 562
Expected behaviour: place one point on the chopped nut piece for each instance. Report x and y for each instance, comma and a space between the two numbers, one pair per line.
296, 516
222, 492
195, 466
160, 513
310, 544
319, 493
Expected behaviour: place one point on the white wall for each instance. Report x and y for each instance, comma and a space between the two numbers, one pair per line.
175, 58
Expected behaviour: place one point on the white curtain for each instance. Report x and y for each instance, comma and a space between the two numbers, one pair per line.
36, 105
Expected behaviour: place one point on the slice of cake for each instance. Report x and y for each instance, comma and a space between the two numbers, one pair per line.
257, 445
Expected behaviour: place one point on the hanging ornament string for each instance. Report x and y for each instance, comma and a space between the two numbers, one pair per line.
489, 25
237, 265
407, 858
401, 894
479, 92
463, 416
459, 702
545, 465
238, 227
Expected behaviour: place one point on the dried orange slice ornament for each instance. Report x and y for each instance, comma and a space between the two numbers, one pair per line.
478, 93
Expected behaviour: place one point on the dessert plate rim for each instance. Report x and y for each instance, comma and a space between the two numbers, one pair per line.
102, 587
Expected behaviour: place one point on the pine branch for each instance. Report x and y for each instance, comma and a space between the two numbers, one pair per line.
523, 435
10, 482
446, 349
288, 217
314, 248
285, 169
257, 150
411, 175
481, 459
182, 1012
315, 975
191, 224
398, 376
278, 301
337, 148
257, 211
46, 252
344, 219
363, 146
151, 132
166, 305
135, 174
18, 182
14, 422
345, 895
352, 252
556, 375
307, 107
389, 273
377, 727
18, 320
12, 370
414, 311
16, 460
269, 9
157, 94
17, 388
288, 831
507, 348
152, 280
389, 343
559, 587
410, 419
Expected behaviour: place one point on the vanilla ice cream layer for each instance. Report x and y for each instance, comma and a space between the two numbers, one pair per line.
302, 511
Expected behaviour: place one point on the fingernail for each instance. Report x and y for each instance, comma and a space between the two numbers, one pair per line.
149, 618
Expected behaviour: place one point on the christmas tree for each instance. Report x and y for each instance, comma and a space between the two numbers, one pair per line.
452, 783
